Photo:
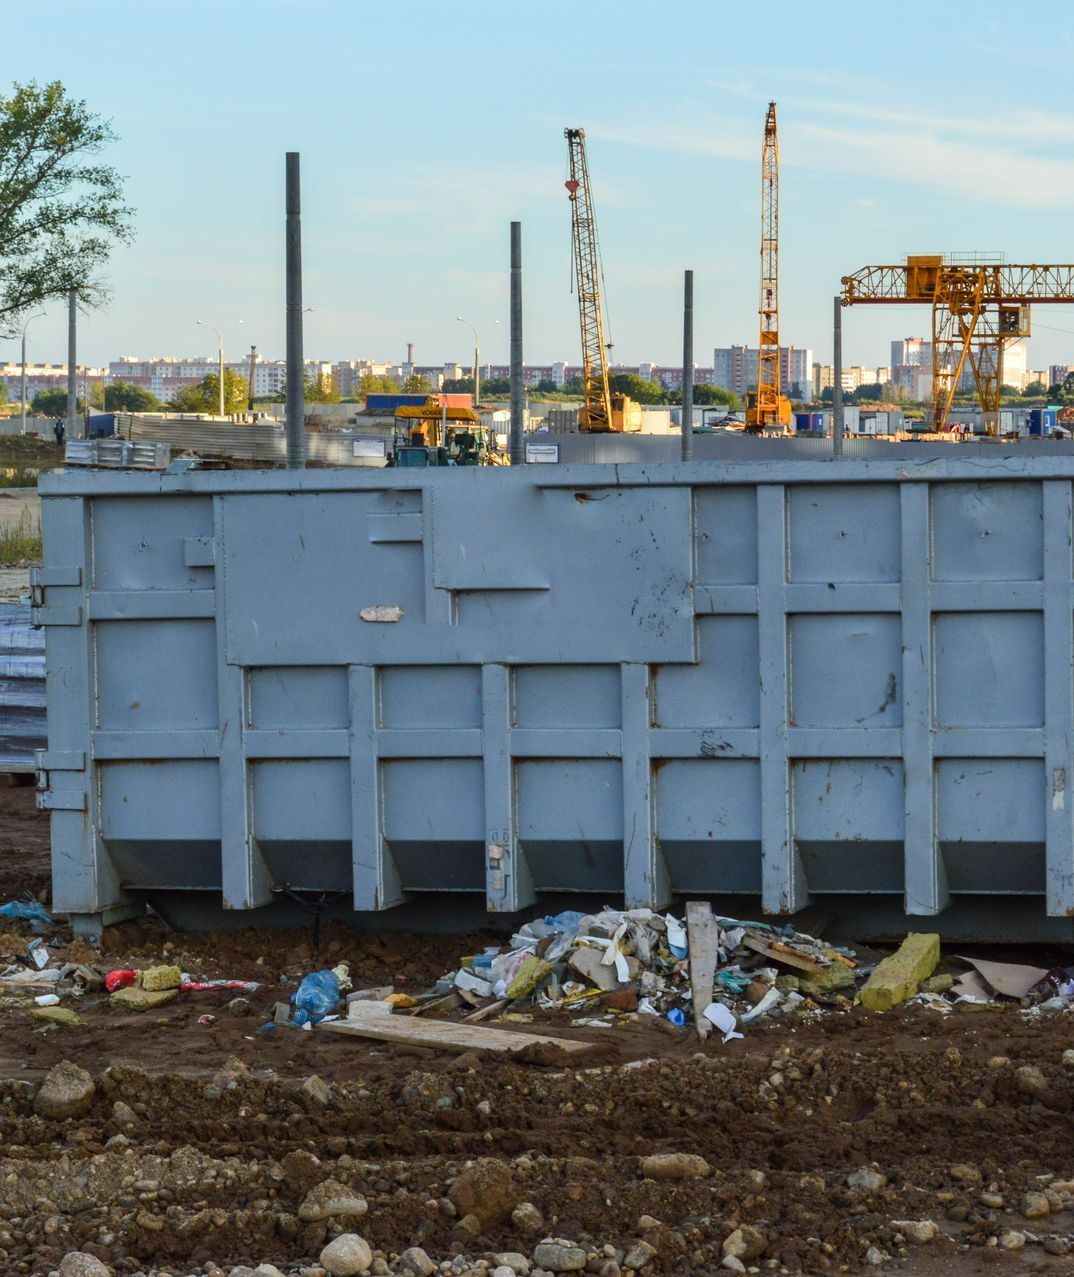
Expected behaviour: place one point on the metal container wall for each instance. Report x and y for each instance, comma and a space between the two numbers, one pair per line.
783, 680
22, 689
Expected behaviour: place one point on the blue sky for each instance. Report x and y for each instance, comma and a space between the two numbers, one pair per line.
426, 126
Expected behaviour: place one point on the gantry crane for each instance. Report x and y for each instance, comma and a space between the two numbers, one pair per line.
978, 307
601, 411
767, 407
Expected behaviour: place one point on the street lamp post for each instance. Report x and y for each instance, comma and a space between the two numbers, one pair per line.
220, 353
477, 354
22, 387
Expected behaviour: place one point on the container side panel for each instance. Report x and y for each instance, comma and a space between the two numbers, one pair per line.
987, 531
570, 823
156, 675
843, 532
725, 535
845, 671
302, 822
431, 696
139, 542
568, 696
848, 823
724, 689
708, 822
283, 696
989, 669
434, 822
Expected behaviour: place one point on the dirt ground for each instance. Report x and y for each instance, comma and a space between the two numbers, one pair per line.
201, 1144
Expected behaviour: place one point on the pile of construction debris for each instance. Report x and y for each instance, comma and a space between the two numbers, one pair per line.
708, 971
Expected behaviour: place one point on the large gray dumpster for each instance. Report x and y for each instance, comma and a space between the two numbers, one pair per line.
839, 681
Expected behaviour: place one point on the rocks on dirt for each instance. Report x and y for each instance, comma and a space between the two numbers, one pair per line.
1012, 1239
416, 1262
1036, 1206
867, 1178
559, 1256
486, 1190
78, 1264
918, 1231
331, 1200
527, 1218
640, 1255
746, 1243
66, 1092
346, 1256
674, 1166
317, 1090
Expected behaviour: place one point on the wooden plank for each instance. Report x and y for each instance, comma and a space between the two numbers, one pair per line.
444, 1035
483, 1013
703, 937
781, 953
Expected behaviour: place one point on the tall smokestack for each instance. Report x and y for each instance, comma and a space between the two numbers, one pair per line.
518, 447
296, 368
410, 352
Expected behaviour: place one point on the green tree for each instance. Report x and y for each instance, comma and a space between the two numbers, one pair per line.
705, 394
493, 386
370, 384
1035, 390
416, 384
323, 389
546, 386
574, 386
458, 385
205, 396
3, 392
121, 396
638, 388
61, 210
52, 403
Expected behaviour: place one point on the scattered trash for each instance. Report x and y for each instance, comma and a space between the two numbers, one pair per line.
26, 911
723, 1019
206, 1019
317, 997
122, 979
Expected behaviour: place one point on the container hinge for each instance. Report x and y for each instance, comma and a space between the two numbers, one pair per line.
41, 580
65, 799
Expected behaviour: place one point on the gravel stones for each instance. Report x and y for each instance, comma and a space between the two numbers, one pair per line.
1012, 1239
331, 1200
1036, 1206
527, 1218
918, 1231
317, 1089
417, 1263
487, 1190
871, 1180
746, 1243
67, 1091
347, 1255
639, 1255
559, 1256
674, 1166
79, 1264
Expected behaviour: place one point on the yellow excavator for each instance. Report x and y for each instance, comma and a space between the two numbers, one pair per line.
437, 434
602, 411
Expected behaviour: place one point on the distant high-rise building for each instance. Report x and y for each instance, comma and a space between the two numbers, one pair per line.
736, 368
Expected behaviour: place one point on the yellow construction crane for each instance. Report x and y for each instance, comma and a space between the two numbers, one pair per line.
601, 411
978, 308
766, 407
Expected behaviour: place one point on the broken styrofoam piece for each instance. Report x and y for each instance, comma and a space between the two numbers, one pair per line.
724, 1020
465, 979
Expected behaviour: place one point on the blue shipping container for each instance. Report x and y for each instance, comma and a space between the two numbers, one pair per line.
808, 421
389, 403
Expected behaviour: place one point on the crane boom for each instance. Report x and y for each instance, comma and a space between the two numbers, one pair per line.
767, 406
596, 413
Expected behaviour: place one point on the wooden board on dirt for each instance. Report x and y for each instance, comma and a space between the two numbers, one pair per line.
444, 1035
703, 938
781, 953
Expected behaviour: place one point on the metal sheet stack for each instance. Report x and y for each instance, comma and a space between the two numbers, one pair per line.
22, 688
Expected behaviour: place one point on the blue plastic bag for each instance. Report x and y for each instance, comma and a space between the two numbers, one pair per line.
26, 911
568, 920
317, 996
676, 1017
